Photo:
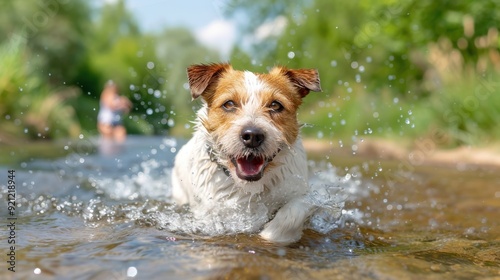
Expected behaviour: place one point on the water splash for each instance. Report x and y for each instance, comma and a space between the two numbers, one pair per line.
134, 187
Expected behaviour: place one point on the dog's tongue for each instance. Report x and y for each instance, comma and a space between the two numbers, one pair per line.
250, 168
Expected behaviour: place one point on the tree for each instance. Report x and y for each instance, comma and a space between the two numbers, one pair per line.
53, 30
29, 107
383, 43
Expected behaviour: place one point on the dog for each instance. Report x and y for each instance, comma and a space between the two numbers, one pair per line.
245, 162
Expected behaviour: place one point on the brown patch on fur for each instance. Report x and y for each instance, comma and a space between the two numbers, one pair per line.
304, 80
284, 92
203, 75
229, 87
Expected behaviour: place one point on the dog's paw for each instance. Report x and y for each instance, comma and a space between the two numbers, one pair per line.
278, 234
287, 225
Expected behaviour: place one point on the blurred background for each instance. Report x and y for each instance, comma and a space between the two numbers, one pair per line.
401, 70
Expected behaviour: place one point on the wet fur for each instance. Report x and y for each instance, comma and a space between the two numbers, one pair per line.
277, 204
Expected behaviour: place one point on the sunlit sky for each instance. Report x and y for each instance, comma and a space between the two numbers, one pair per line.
204, 17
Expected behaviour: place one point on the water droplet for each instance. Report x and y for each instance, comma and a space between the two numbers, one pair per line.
170, 122
150, 65
281, 252
291, 55
131, 272
333, 63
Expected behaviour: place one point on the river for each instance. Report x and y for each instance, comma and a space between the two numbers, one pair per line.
88, 211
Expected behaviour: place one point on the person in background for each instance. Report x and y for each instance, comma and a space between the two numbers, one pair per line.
112, 108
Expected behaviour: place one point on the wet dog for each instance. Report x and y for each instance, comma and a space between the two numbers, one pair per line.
245, 162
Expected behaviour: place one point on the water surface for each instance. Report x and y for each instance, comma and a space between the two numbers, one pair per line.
104, 212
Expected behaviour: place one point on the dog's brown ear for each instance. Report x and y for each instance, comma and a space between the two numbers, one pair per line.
202, 75
304, 79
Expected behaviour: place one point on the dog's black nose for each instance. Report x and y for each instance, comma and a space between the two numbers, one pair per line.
252, 137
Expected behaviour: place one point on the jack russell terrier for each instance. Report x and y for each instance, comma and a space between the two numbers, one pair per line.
246, 162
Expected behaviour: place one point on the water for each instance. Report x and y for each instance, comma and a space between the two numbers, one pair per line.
107, 214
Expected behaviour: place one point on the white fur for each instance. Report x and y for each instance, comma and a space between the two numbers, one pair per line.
276, 205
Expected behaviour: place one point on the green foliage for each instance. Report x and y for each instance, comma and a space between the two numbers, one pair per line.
467, 112
28, 107
176, 55
53, 31
64, 50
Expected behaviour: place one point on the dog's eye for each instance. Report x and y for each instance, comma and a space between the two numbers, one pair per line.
276, 107
229, 106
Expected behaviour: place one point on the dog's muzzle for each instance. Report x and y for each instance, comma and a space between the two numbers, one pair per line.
248, 168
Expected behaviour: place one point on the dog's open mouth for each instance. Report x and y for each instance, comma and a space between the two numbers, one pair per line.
250, 168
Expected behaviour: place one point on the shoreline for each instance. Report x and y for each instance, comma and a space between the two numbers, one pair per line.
421, 152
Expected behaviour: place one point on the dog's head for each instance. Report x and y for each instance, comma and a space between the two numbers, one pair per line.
250, 117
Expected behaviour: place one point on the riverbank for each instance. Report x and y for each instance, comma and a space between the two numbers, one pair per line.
419, 152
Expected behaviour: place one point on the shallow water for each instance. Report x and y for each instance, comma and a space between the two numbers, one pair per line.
105, 213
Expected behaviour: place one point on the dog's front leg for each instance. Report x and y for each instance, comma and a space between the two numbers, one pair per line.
288, 223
